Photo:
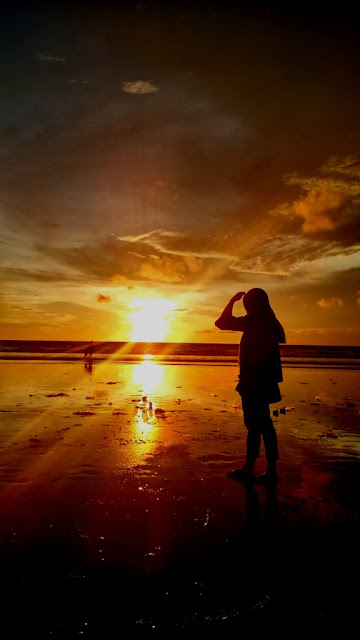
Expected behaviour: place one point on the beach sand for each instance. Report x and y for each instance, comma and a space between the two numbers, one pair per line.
118, 517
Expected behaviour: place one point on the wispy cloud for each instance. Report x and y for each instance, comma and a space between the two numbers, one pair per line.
47, 57
262, 250
349, 167
187, 258
65, 318
170, 268
76, 81
140, 87
180, 243
12, 274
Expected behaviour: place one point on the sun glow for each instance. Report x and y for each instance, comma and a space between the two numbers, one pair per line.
150, 319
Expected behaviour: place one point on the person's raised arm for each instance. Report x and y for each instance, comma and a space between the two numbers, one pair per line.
227, 321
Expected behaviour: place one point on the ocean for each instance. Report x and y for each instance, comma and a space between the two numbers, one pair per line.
172, 352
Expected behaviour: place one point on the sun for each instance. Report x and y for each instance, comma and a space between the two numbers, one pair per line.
151, 319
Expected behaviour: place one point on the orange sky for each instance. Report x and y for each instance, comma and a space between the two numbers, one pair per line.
156, 159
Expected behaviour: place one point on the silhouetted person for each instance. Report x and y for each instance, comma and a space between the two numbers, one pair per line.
260, 374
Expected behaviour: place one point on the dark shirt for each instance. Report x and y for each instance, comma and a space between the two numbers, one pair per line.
259, 355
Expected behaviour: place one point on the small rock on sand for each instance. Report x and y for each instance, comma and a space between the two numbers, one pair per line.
84, 413
56, 395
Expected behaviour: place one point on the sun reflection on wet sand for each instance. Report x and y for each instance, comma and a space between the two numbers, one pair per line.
149, 377
148, 374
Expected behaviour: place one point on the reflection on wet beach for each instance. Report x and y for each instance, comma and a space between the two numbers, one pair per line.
124, 473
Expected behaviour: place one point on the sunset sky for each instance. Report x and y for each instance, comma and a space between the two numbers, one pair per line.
158, 157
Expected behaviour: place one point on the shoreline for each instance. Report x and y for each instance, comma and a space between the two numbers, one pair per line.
348, 363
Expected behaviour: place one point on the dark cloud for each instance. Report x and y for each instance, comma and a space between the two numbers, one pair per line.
157, 167
123, 262
261, 252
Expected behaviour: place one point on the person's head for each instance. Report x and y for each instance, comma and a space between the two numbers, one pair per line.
257, 305
256, 301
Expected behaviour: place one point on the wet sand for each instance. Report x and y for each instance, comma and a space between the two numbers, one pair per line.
117, 516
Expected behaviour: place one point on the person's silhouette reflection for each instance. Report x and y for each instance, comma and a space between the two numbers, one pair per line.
270, 518
271, 510
252, 506
263, 539
88, 366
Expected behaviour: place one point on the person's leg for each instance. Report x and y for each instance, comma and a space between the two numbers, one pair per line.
253, 440
252, 420
270, 444
270, 438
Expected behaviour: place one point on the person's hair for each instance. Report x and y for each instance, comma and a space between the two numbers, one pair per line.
257, 305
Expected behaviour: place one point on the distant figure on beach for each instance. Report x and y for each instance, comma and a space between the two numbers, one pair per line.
89, 350
260, 374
